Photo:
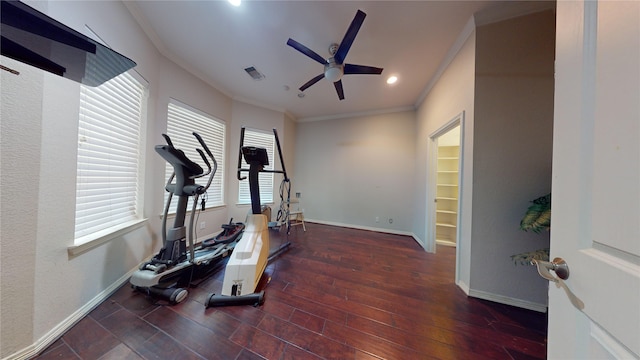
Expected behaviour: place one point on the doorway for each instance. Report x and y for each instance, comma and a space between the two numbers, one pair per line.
447, 181
444, 186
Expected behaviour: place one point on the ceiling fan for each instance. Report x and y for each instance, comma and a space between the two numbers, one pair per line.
334, 67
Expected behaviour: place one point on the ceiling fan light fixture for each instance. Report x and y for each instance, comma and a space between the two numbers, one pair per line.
333, 74
335, 67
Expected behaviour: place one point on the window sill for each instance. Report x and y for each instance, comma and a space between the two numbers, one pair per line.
172, 215
78, 249
249, 204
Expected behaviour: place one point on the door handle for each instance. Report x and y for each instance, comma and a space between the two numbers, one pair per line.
560, 267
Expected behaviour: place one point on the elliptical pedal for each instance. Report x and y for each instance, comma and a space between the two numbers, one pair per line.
171, 295
230, 233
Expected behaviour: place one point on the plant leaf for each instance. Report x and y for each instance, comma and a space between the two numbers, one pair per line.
526, 257
538, 216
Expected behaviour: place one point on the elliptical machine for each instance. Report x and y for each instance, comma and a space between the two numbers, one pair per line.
251, 255
178, 263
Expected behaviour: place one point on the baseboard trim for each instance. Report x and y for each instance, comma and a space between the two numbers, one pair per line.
419, 241
59, 330
360, 227
465, 288
368, 228
508, 300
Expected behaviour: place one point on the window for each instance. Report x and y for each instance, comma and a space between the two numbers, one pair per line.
182, 121
265, 140
109, 157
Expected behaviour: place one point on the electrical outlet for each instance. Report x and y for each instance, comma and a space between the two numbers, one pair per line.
203, 225
377, 219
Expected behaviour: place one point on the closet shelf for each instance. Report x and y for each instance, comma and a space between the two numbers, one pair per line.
446, 211
447, 188
445, 225
446, 198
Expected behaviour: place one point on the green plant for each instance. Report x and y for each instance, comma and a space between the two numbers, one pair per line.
536, 219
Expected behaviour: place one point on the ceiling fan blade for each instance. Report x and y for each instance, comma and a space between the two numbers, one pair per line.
305, 50
339, 90
311, 82
349, 36
361, 69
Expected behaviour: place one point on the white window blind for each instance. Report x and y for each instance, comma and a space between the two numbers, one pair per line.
109, 154
264, 140
182, 121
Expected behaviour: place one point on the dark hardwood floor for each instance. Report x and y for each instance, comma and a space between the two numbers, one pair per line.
335, 294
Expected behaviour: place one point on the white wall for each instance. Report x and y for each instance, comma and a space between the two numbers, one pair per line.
174, 82
289, 147
41, 286
19, 174
42, 289
512, 153
504, 84
450, 96
350, 171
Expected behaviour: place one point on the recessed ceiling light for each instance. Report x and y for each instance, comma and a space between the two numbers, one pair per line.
235, 2
392, 80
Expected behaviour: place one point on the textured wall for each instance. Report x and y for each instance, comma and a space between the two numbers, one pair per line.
20, 132
41, 287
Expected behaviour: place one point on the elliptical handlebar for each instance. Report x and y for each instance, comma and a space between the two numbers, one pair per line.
206, 148
240, 177
185, 160
205, 161
168, 140
213, 159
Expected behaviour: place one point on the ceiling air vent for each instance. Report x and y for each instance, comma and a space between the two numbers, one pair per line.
254, 73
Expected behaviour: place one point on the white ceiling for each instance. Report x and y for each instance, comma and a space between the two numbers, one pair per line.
216, 41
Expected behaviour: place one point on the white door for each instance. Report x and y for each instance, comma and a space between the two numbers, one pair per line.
596, 181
